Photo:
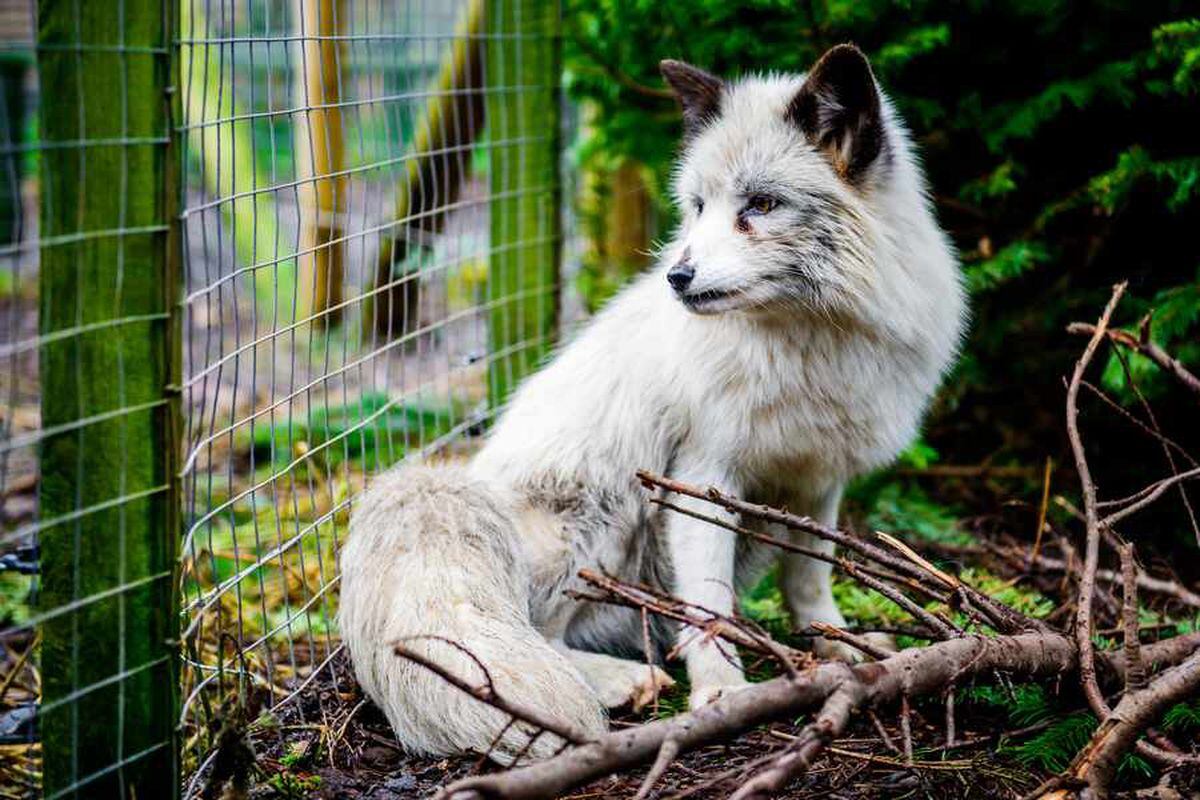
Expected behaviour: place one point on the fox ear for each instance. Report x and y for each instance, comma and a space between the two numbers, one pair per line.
699, 93
838, 108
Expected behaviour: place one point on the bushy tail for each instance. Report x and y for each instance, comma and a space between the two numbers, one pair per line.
434, 552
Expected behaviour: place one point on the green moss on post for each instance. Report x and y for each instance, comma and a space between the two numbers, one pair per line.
108, 499
523, 66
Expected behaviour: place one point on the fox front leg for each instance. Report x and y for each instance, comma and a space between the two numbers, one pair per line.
702, 556
806, 582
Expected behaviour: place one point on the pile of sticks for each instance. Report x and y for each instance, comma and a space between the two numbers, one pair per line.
1128, 689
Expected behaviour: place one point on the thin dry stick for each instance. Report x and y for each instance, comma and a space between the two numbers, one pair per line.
980, 606
1042, 508
648, 650
939, 627
1135, 671
1132, 382
950, 716
906, 728
886, 737
737, 631
1145, 347
872, 578
1148, 495
781, 517
838, 561
1087, 581
1144, 582
666, 754
1004, 618
1153, 432
860, 643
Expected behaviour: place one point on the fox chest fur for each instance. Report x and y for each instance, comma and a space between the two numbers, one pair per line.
783, 411
802, 408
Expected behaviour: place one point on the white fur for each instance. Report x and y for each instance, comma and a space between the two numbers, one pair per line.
781, 394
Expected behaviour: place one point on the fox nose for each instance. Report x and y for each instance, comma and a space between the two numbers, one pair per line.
680, 275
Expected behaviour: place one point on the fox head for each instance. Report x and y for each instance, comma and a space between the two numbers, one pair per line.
778, 184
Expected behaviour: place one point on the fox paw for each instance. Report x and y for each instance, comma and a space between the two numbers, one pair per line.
632, 684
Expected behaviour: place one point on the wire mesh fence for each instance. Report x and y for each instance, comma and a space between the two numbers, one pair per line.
252, 252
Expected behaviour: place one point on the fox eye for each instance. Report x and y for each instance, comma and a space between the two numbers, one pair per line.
698, 202
761, 203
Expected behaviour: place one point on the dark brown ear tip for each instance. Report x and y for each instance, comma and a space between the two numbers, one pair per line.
670, 66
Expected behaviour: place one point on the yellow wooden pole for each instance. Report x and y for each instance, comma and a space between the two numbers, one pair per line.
320, 157
433, 175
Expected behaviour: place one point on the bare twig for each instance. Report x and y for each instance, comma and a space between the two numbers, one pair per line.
917, 671
906, 728
871, 577
1163, 440
1145, 347
1042, 508
1145, 582
884, 736
1148, 495
737, 631
860, 643
1135, 672
950, 716
1006, 619
666, 754
1087, 581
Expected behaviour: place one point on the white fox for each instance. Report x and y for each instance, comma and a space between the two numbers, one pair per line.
790, 340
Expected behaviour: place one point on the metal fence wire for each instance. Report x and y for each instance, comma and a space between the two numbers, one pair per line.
252, 252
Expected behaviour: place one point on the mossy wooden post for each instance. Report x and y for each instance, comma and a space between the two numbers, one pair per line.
320, 157
523, 116
108, 319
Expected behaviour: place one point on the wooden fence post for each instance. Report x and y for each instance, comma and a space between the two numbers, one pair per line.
108, 325
320, 156
524, 62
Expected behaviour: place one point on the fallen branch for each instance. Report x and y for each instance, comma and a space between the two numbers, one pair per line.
912, 673
915, 672
816, 736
